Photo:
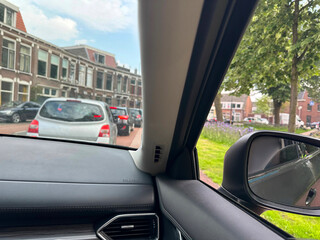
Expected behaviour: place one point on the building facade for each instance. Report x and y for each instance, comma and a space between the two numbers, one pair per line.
307, 109
236, 107
33, 69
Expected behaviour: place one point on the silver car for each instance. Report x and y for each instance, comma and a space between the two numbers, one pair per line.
74, 119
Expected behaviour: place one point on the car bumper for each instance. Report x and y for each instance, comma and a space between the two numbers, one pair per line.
122, 127
103, 140
5, 117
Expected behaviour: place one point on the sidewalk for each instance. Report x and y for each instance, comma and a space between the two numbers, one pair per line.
309, 133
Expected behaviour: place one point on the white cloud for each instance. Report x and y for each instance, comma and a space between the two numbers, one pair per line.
80, 41
102, 15
49, 28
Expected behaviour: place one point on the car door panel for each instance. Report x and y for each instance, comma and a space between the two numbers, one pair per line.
213, 216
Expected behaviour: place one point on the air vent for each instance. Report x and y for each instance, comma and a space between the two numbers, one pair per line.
131, 227
157, 153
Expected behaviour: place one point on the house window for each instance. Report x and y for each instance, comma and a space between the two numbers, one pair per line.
233, 105
8, 54
308, 119
65, 64
118, 101
99, 80
138, 104
119, 83
23, 92
238, 106
82, 75
6, 92
6, 15
124, 84
54, 67
98, 98
42, 62
49, 92
72, 72
309, 107
99, 58
318, 107
109, 82
89, 77
25, 56
64, 93
139, 91
133, 87
124, 102
109, 100
9, 19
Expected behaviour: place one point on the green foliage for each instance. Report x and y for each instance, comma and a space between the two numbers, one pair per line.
34, 91
263, 105
264, 60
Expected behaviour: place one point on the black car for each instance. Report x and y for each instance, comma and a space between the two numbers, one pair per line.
123, 119
137, 116
18, 111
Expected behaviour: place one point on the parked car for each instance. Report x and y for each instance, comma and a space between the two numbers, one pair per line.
75, 119
263, 120
284, 120
18, 111
137, 116
315, 125
250, 120
123, 119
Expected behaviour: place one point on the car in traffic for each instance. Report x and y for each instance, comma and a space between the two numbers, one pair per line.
263, 120
74, 119
16, 111
123, 119
137, 116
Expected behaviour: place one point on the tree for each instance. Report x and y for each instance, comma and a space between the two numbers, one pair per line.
217, 105
263, 105
280, 47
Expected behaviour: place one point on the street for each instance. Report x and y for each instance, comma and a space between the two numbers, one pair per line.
133, 140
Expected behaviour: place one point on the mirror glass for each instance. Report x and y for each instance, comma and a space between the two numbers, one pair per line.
285, 171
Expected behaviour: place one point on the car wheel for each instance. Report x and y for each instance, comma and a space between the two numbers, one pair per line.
16, 118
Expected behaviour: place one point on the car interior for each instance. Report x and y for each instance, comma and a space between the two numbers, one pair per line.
60, 189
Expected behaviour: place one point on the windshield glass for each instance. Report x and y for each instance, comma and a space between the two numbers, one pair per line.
79, 50
72, 111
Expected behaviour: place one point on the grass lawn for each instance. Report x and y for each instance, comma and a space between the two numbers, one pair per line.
211, 157
273, 128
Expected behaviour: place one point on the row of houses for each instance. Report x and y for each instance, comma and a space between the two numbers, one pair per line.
243, 106
34, 69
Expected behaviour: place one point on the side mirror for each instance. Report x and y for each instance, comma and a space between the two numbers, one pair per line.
274, 170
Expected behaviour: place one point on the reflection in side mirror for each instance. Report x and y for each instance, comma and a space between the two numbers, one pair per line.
285, 171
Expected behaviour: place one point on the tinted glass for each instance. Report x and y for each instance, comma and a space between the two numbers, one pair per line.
72, 111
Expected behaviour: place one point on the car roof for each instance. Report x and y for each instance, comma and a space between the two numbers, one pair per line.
103, 104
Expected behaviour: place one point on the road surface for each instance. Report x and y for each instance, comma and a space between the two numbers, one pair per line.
133, 140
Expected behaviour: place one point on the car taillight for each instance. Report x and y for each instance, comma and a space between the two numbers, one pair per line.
104, 131
34, 127
138, 116
123, 117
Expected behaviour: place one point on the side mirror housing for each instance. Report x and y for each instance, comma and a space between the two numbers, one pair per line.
274, 170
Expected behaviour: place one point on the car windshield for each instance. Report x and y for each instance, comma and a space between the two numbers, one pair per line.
117, 112
80, 51
72, 111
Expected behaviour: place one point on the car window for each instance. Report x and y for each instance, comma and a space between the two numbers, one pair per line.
76, 57
117, 112
270, 89
71, 111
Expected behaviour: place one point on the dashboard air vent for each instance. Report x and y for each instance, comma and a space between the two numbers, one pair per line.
131, 227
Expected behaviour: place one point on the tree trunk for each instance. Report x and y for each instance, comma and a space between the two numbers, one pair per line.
217, 105
294, 71
276, 112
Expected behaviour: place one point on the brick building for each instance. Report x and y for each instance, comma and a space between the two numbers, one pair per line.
237, 107
307, 109
33, 69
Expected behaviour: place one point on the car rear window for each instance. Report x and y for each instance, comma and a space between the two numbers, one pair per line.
135, 112
72, 111
118, 112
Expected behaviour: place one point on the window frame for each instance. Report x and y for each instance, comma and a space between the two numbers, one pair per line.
54, 55
111, 79
89, 69
7, 91
309, 108
66, 77
72, 69
82, 81
97, 57
15, 50
22, 93
98, 72
46, 68
30, 59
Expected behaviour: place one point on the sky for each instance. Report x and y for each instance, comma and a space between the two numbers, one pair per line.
109, 25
